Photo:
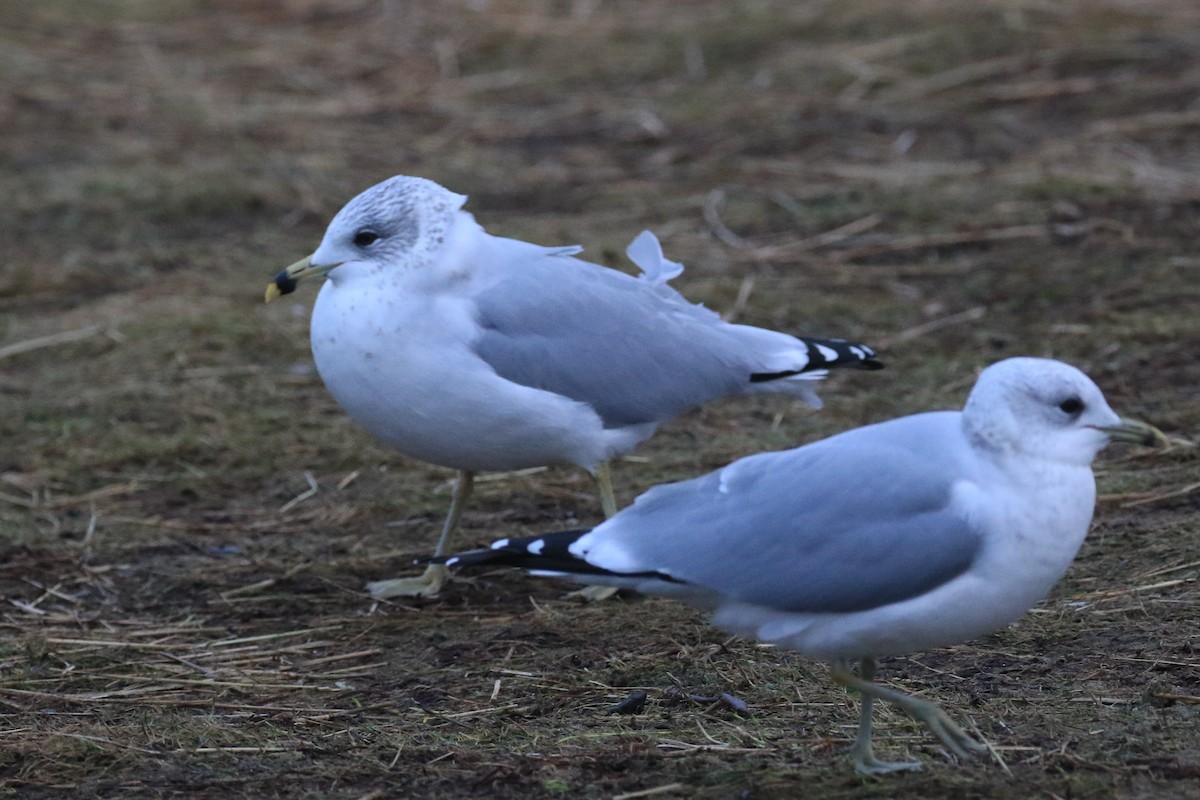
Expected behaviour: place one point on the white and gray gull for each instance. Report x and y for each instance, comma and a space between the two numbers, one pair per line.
919, 532
477, 352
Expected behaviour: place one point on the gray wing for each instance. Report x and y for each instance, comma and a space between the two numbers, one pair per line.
845, 524
634, 351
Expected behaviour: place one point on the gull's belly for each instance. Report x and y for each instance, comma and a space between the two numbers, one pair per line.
421, 390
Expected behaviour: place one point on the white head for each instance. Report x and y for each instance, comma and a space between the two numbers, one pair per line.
399, 224
1046, 409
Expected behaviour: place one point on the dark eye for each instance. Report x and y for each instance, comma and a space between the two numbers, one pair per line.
1072, 406
365, 237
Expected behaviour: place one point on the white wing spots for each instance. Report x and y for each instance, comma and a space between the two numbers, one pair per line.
535, 547
601, 548
579, 547
858, 351
499, 544
827, 353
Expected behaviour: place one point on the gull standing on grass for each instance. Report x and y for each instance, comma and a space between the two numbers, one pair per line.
919, 532
477, 352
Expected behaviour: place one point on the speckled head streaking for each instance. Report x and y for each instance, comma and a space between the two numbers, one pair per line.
400, 223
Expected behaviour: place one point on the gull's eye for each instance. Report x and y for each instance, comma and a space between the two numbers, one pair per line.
1072, 406
365, 236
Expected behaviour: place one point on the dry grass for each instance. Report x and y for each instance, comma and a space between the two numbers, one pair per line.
955, 182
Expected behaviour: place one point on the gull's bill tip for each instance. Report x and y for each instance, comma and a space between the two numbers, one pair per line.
286, 280
1135, 432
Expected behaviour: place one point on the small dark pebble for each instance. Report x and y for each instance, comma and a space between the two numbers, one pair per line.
630, 705
734, 703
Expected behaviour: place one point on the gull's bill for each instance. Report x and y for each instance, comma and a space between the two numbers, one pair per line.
288, 278
1132, 431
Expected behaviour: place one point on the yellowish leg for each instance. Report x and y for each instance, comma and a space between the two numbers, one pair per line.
608, 503
939, 724
608, 499
430, 582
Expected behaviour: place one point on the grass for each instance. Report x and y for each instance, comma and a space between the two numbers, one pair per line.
954, 184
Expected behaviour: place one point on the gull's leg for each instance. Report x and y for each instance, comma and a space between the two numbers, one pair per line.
608, 499
608, 503
430, 582
957, 740
863, 755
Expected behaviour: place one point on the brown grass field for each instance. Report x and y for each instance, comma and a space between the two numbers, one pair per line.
183, 616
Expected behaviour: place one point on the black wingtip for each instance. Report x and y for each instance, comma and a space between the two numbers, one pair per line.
844, 354
548, 552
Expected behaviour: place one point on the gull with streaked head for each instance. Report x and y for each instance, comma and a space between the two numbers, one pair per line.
477, 352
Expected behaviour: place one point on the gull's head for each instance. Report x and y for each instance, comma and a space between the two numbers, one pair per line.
1046, 409
397, 224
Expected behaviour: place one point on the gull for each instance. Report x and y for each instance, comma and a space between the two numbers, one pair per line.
919, 532
477, 352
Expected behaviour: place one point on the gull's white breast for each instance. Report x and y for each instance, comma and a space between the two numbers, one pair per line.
394, 349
